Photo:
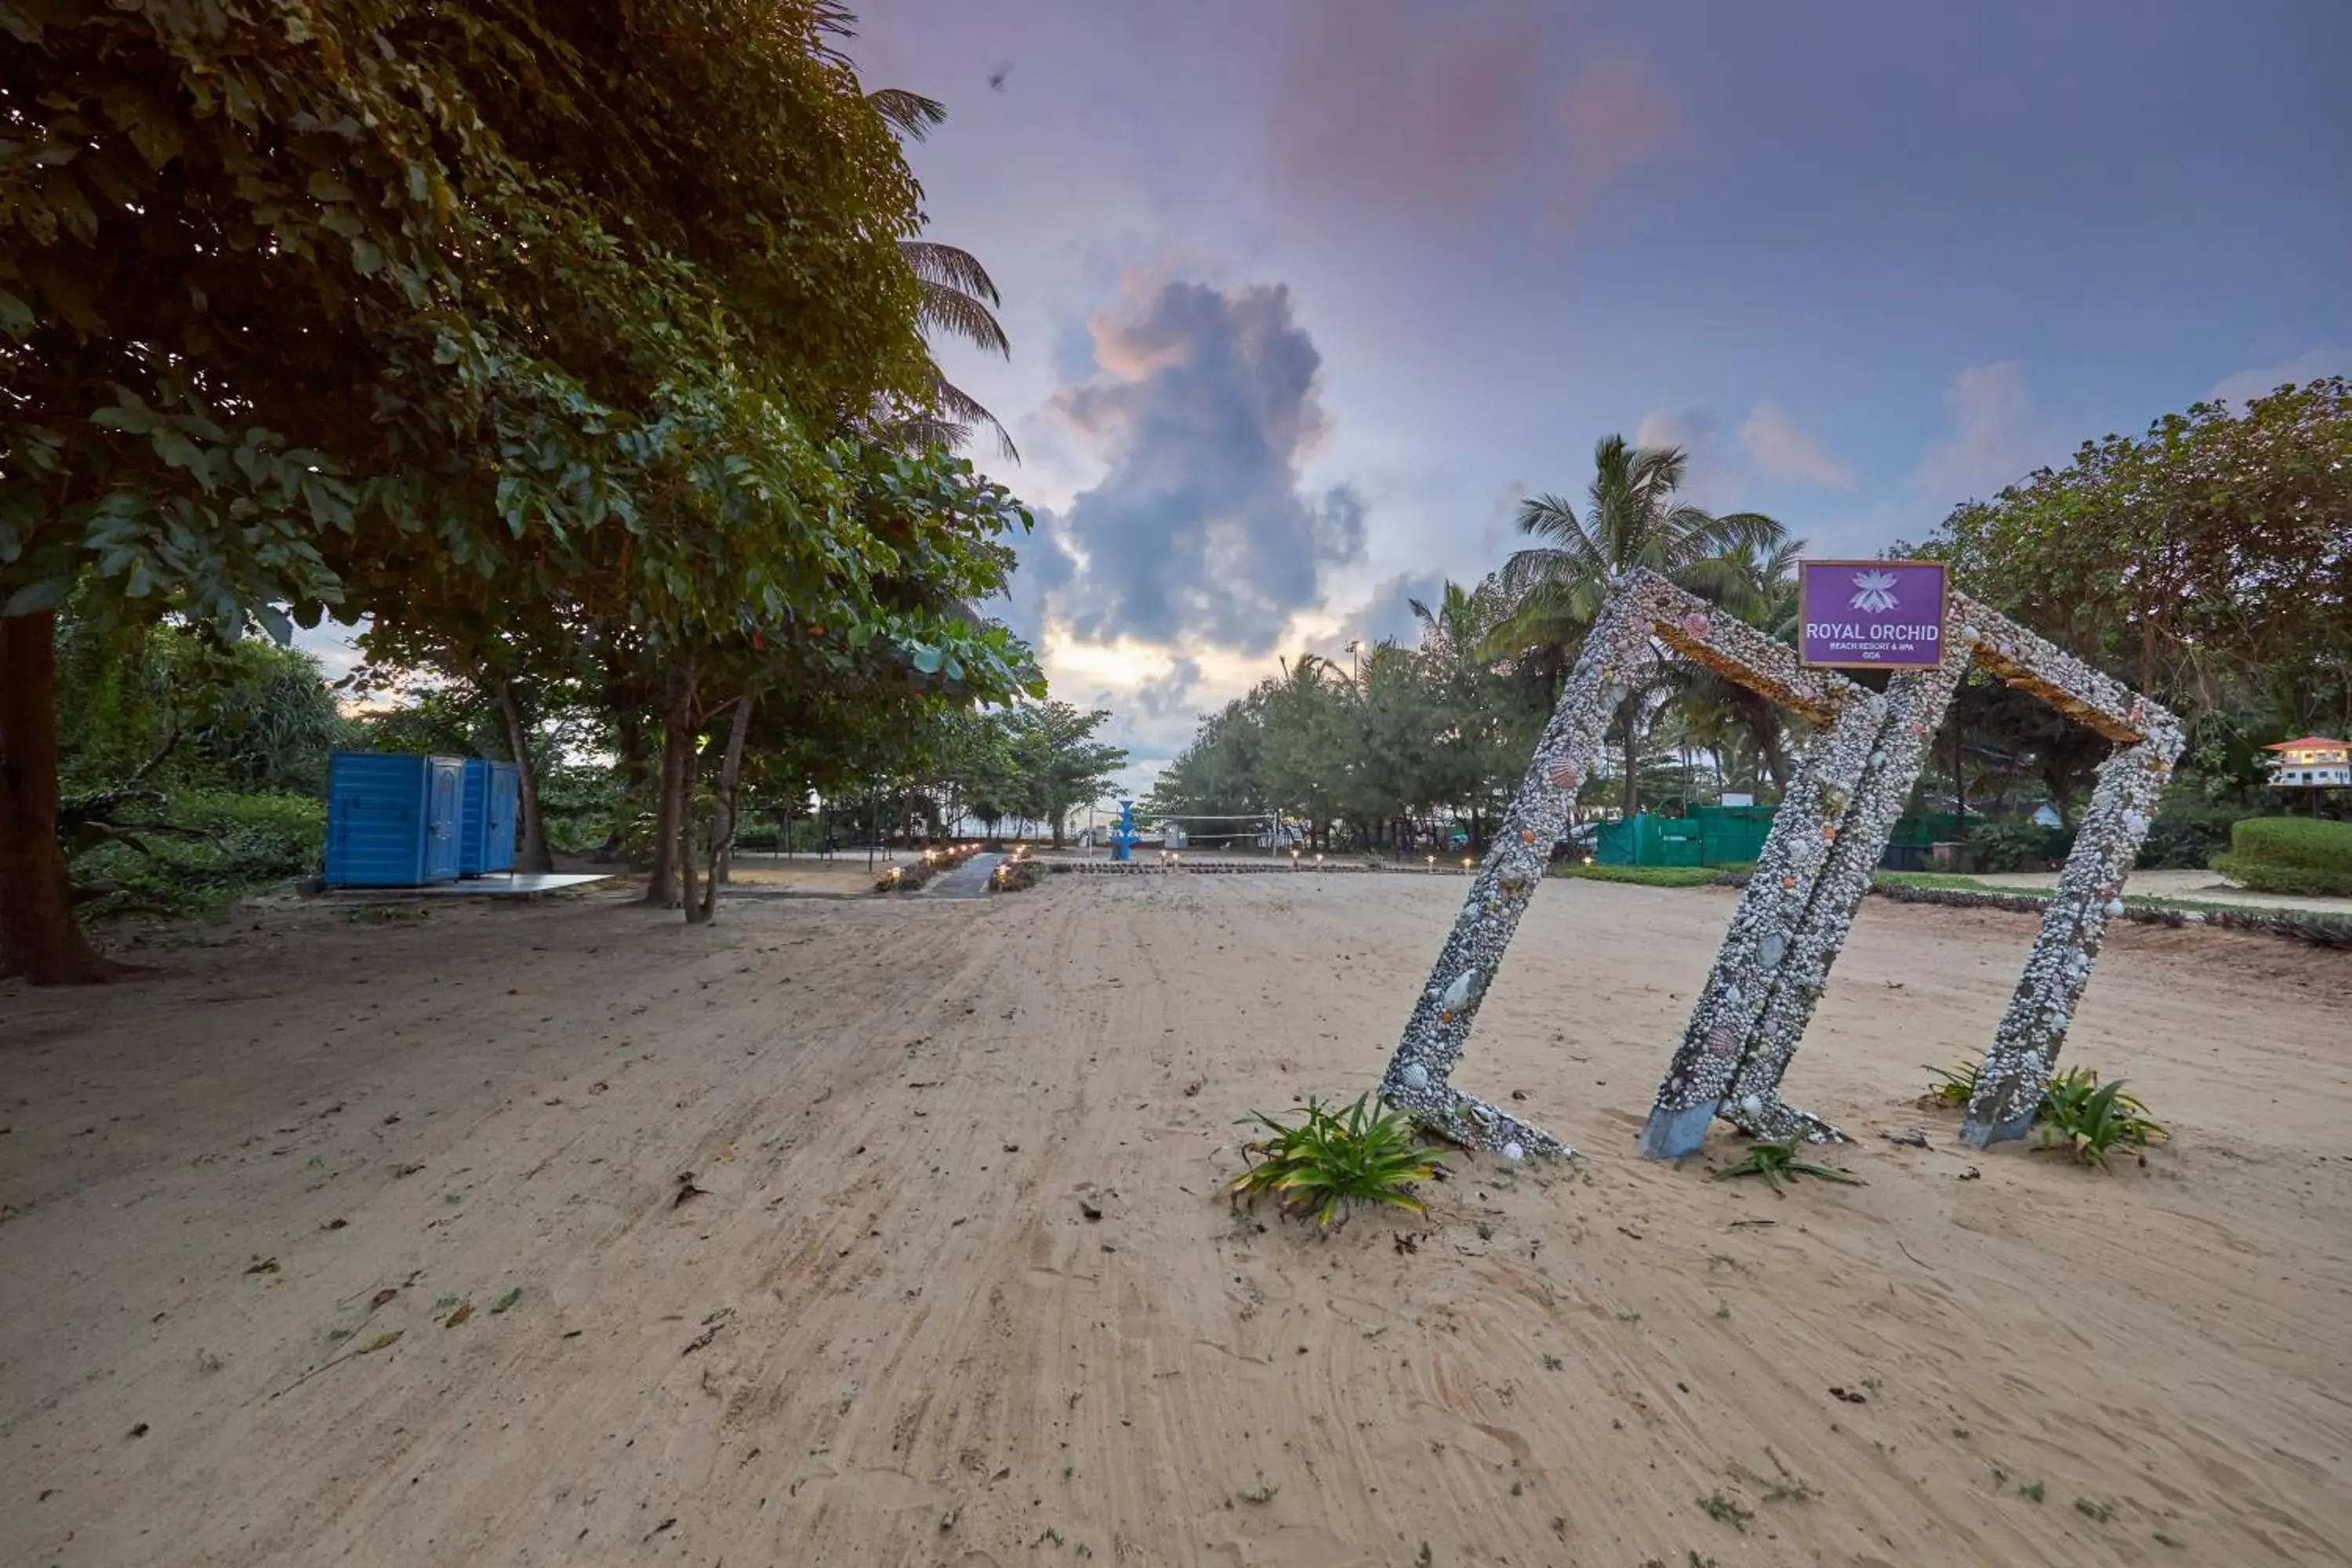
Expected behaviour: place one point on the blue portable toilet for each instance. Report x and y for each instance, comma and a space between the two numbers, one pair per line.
485, 836
393, 819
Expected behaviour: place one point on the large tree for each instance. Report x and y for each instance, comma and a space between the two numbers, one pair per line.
460, 314
2203, 561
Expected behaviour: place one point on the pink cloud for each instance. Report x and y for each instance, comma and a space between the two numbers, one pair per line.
1784, 452
1395, 107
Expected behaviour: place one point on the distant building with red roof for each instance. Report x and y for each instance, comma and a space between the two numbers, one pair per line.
2314, 761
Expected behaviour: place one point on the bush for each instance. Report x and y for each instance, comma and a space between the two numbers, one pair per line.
196, 851
2306, 841
1331, 1160
2295, 881
1653, 876
2012, 845
2186, 835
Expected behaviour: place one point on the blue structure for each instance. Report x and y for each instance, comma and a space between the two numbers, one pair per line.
486, 829
1122, 832
393, 820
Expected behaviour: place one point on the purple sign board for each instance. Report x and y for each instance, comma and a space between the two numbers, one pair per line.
1871, 615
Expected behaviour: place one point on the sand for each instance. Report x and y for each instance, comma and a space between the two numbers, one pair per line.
885, 1326
2205, 887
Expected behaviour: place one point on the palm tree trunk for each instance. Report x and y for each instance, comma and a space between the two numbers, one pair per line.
1632, 761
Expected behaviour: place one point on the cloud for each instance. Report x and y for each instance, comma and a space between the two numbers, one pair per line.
1991, 443
1385, 614
1716, 480
1784, 452
1693, 429
2249, 385
1045, 566
1202, 407
1169, 695
1421, 110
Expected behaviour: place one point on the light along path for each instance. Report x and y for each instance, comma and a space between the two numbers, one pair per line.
969, 881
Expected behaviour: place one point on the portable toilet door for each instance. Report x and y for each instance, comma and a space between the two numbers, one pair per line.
474, 819
499, 809
445, 816
383, 809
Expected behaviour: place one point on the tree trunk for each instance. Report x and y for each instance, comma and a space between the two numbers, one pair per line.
532, 854
39, 937
1776, 760
1061, 814
722, 826
1632, 761
670, 814
687, 897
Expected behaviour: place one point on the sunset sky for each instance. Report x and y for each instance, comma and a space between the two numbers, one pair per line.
1304, 294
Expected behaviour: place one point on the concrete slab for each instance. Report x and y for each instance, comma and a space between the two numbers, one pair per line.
511, 884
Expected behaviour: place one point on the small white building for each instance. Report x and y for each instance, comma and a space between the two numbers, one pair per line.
2314, 761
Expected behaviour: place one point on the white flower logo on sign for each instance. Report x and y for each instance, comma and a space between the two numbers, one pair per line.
1874, 591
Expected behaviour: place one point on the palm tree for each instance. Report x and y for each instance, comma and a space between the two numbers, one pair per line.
1761, 589
959, 299
1631, 519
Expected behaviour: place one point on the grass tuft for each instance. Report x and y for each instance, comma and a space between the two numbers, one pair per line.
1777, 1162
1331, 1160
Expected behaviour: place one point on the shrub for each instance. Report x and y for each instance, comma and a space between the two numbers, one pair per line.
907, 879
2186, 835
192, 852
1954, 1085
2295, 881
1332, 1158
2091, 1120
1017, 874
2306, 841
2009, 846
1777, 1162
1653, 876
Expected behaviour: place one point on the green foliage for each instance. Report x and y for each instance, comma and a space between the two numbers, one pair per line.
1777, 1162
1329, 1160
2291, 881
363, 302
1655, 876
2186, 832
1727, 1510
192, 852
1998, 847
2321, 844
2091, 1120
1017, 874
2301, 857
1954, 1085
171, 706
2202, 562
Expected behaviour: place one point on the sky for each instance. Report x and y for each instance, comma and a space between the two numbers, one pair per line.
1306, 295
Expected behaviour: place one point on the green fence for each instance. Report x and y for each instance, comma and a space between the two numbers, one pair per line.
1709, 836
1733, 836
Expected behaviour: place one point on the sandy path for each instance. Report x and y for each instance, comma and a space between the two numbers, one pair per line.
887, 1331
2204, 886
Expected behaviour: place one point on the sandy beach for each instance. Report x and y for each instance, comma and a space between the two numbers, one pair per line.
858, 1231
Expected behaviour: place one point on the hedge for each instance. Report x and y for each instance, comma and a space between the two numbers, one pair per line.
2272, 877
1656, 876
2307, 841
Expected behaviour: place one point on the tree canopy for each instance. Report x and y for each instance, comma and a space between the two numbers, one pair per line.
518, 328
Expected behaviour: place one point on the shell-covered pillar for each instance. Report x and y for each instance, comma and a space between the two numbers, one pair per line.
1616, 650
2024, 1054
1759, 943
1915, 704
